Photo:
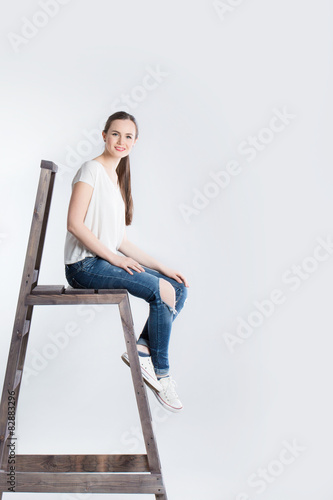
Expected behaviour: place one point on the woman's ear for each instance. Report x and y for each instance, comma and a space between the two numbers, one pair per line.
103, 134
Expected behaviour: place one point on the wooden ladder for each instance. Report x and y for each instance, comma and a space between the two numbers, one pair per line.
140, 473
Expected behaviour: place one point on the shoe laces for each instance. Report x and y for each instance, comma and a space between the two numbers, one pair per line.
170, 389
150, 363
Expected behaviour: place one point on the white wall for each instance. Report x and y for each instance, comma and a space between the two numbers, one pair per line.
220, 76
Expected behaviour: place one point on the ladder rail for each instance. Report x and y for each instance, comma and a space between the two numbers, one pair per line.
19, 340
139, 386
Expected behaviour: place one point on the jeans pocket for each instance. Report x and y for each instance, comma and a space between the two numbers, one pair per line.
72, 269
87, 262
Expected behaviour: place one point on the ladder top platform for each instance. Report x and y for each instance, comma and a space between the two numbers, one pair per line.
62, 289
61, 295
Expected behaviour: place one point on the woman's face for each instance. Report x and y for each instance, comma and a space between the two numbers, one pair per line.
120, 138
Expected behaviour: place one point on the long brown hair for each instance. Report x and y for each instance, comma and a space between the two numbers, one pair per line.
123, 168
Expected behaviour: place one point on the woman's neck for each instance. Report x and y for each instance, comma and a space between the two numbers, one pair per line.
109, 162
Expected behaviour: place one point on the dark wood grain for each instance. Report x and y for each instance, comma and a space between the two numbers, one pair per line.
39, 299
88, 482
82, 463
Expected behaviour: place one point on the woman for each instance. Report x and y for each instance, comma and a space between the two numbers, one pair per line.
100, 207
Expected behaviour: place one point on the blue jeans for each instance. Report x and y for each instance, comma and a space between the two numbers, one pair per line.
95, 272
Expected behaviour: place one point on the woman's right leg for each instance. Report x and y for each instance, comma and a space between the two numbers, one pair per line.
94, 272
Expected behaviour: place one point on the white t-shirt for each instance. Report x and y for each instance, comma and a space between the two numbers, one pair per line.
105, 215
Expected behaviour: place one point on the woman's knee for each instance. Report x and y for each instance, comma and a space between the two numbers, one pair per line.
182, 291
182, 295
167, 292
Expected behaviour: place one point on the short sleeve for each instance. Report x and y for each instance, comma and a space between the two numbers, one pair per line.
86, 173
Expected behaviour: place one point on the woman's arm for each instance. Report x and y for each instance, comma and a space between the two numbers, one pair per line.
128, 248
78, 206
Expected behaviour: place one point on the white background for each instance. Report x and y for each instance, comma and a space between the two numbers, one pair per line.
224, 74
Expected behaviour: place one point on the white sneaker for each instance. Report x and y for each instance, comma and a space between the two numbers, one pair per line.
147, 370
168, 397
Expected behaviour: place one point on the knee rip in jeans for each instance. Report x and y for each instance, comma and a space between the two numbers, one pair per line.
168, 294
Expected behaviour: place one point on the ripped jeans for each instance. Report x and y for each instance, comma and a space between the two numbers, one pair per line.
95, 272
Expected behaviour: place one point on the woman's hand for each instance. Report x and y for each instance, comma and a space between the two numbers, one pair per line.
127, 263
176, 275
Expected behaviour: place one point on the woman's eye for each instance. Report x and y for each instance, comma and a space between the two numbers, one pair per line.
114, 133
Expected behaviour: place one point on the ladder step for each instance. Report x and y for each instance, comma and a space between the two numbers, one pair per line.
87, 482
60, 290
46, 295
70, 290
48, 290
111, 291
82, 463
